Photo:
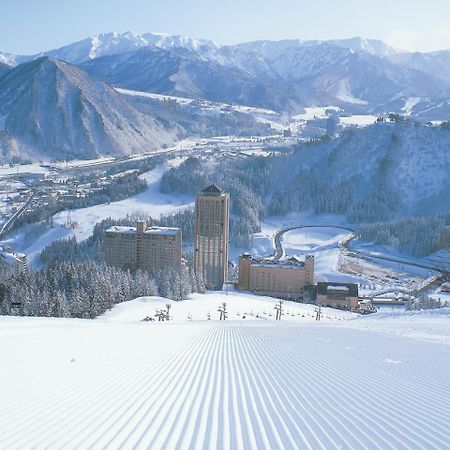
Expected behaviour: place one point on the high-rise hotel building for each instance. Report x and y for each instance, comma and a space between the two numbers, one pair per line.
143, 247
211, 236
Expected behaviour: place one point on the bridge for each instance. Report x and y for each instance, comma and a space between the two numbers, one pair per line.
6, 227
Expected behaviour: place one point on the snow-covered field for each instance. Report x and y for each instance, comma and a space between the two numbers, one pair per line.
316, 112
323, 244
150, 202
117, 382
359, 120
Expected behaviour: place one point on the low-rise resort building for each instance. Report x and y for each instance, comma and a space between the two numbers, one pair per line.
337, 295
286, 278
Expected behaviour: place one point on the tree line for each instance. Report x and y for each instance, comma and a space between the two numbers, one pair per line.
86, 289
418, 236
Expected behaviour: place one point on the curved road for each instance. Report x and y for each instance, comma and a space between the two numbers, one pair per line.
278, 237
444, 274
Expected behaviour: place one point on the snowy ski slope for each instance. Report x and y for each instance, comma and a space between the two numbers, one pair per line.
240, 384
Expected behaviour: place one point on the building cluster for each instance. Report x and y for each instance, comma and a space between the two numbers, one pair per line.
155, 248
14, 263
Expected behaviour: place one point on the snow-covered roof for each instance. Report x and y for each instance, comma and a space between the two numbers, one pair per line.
212, 190
337, 288
162, 230
121, 229
151, 230
323, 288
9, 257
292, 262
274, 265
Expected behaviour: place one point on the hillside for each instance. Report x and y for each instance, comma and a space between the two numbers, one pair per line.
4, 69
386, 170
51, 109
285, 80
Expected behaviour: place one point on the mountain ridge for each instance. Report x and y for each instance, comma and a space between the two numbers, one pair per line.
52, 109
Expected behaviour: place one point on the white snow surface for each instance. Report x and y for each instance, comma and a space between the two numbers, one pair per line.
409, 104
117, 382
316, 112
359, 120
323, 243
344, 93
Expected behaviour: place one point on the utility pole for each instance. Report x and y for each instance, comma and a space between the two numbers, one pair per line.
223, 311
318, 312
279, 310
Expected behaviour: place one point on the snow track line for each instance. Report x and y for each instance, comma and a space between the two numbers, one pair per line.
168, 363
160, 393
339, 399
115, 381
268, 378
378, 414
176, 409
235, 386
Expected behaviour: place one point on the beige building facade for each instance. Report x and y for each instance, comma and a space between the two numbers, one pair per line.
143, 247
286, 279
211, 236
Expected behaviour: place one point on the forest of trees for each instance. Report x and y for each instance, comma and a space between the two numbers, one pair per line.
416, 236
87, 289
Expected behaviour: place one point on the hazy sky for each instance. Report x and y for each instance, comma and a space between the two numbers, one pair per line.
29, 26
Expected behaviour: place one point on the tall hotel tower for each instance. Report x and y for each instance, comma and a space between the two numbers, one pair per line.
211, 236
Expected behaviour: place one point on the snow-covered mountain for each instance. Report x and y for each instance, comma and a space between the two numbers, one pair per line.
357, 74
433, 63
181, 72
111, 44
271, 49
384, 171
51, 109
288, 80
